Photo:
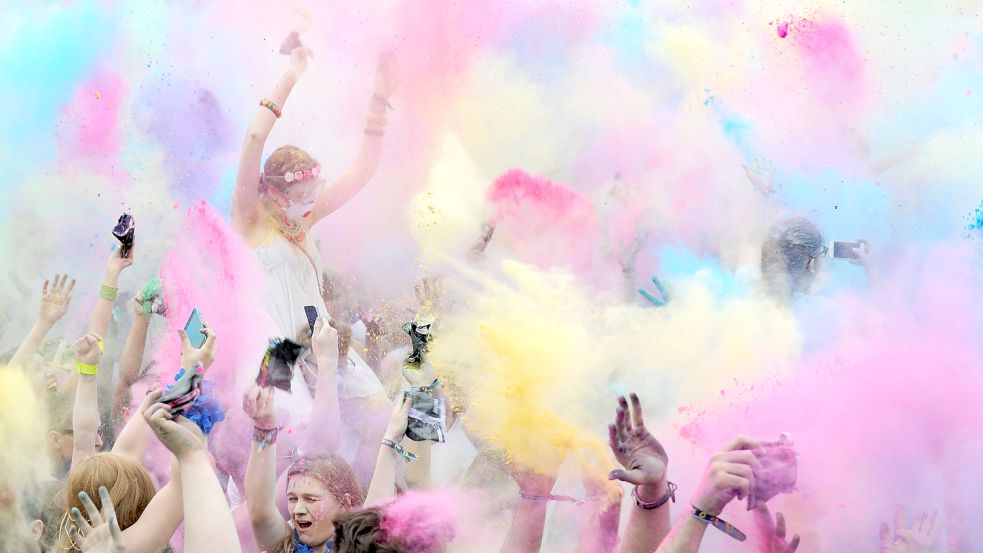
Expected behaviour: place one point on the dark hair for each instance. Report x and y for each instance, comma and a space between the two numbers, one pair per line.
361, 532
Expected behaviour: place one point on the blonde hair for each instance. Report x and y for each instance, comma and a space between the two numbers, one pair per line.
283, 160
129, 485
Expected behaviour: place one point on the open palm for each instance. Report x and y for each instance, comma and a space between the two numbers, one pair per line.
644, 459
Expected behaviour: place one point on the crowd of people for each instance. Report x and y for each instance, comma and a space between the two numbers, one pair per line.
354, 445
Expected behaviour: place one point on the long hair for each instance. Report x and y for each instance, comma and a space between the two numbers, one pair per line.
129, 485
361, 532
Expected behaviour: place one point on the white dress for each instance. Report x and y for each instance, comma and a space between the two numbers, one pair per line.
291, 282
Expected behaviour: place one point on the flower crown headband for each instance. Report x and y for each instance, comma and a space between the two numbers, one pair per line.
294, 176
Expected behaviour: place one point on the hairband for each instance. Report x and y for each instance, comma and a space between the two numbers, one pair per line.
295, 176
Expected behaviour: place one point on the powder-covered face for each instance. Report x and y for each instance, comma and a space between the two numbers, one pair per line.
298, 198
312, 509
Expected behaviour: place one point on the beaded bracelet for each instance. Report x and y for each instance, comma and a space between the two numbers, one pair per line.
374, 131
265, 436
406, 455
271, 106
719, 524
649, 505
108, 292
85, 368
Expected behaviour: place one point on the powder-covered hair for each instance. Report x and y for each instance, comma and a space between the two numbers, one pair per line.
334, 473
129, 485
786, 253
283, 160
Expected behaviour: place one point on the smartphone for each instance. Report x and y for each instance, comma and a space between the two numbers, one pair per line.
124, 231
193, 329
844, 250
311, 312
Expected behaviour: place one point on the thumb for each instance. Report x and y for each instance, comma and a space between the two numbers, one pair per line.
633, 476
319, 324
185, 343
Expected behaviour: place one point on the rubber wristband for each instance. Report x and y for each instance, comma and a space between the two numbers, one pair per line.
85, 368
108, 292
406, 455
719, 524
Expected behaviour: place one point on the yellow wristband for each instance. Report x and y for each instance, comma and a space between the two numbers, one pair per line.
85, 368
108, 292
102, 348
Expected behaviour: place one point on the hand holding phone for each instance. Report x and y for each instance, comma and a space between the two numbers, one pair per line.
193, 328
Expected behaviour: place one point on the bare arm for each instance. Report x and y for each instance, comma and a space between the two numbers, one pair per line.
529, 521
158, 522
54, 305
383, 485
85, 414
323, 430
103, 312
369, 152
268, 526
212, 527
245, 198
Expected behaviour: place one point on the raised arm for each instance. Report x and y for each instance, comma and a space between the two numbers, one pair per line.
54, 304
245, 198
134, 438
210, 526
347, 185
268, 526
729, 475
103, 312
645, 465
323, 430
391, 455
130, 361
529, 520
85, 415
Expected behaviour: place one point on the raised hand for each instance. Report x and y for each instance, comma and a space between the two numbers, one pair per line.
258, 404
772, 532
729, 475
920, 537
204, 355
396, 429
863, 253
386, 78
656, 300
117, 262
179, 435
644, 459
87, 349
103, 534
300, 55
55, 299
291, 43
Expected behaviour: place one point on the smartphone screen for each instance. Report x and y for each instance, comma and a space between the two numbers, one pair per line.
193, 329
845, 250
311, 312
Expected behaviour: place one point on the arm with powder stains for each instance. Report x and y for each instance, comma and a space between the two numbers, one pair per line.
268, 526
728, 475
130, 361
529, 520
366, 163
245, 198
54, 304
387, 465
85, 413
103, 311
